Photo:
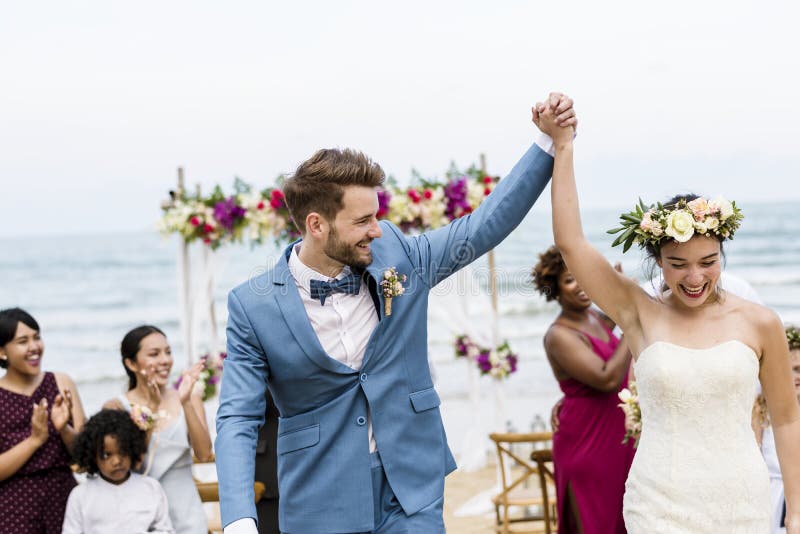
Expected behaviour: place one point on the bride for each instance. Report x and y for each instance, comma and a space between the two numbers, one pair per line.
699, 353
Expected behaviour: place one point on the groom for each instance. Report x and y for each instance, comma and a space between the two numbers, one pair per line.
361, 445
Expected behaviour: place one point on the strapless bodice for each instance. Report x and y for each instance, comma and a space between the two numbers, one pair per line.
697, 468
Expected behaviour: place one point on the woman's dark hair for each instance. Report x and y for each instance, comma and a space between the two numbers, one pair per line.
9, 321
131, 344
130, 438
546, 272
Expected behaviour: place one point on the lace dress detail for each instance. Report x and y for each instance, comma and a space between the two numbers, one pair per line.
697, 469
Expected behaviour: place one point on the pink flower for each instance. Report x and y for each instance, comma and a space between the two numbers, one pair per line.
647, 221
487, 179
260, 206
699, 208
428, 194
194, 221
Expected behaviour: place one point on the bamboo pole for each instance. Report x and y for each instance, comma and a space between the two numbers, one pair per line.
492, 280
184, 286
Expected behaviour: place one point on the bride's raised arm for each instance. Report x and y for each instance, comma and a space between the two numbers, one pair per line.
615, 294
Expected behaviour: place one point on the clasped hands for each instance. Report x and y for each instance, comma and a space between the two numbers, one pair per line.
556, 117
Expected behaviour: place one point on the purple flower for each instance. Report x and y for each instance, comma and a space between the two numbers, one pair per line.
512, 362
213, 380
483, 361
383, 202
228, 213
455, 193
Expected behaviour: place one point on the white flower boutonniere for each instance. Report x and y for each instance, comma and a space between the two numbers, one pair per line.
392, 286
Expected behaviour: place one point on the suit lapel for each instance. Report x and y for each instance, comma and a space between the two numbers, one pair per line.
375, 270
291, 305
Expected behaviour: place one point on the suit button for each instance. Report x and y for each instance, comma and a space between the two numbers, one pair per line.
361, 421
363, 377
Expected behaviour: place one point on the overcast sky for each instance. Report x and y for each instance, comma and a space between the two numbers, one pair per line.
101, 101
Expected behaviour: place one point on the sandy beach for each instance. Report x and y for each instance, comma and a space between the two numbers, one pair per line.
460, 487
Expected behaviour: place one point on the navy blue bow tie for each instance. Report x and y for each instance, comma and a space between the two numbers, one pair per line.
321, 289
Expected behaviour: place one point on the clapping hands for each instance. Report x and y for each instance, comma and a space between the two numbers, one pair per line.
39, 431
153, 392
61, 412
188, 379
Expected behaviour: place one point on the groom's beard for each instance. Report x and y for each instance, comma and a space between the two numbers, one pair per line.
346, 254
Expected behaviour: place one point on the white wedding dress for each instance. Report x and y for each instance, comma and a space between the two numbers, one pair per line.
697, 469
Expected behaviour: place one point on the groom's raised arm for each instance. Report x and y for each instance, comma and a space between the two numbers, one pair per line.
441, 252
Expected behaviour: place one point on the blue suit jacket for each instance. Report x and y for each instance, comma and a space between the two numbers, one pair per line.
323, 447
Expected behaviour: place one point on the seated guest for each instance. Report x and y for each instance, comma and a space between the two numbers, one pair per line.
766, 438
591, 366
40, 417
174, 419
113, 499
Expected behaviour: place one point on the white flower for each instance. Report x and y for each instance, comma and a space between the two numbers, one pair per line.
711, 223
625, 395
680, 226
700, 227
725, 208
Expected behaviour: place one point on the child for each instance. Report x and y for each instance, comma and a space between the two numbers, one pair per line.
117, 500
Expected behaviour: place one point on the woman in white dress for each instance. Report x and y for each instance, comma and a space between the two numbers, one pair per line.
699, 353
180, 429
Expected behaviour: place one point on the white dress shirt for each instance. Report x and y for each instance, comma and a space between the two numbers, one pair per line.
343, 325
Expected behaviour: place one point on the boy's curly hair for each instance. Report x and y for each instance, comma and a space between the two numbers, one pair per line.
546, 272
106, 422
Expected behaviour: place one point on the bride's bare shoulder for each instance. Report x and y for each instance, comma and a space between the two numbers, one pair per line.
759, 316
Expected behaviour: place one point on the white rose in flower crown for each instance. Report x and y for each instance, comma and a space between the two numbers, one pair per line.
712, 223
700, 227
725, 208
680, 226
657, 230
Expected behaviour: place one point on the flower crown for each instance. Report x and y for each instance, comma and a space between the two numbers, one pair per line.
793, 337
679, 221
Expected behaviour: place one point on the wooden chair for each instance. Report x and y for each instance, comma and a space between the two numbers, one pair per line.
547, 482
517, 474
209, 493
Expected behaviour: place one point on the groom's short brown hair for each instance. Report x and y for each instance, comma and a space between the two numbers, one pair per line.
318, 183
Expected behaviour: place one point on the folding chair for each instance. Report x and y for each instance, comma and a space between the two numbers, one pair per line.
515, 474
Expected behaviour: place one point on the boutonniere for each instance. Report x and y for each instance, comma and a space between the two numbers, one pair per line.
392, 286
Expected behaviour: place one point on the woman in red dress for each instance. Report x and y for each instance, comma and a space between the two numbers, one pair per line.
591, 366
40, 417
